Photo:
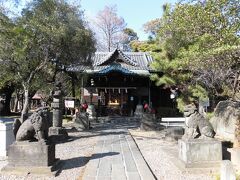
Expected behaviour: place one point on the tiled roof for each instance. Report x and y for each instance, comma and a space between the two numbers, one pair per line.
132, 61
115, 68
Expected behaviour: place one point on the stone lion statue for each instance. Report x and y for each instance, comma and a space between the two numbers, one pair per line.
34, 128
197, 125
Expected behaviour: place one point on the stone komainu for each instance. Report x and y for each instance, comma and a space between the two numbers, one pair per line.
34, 128
197, 125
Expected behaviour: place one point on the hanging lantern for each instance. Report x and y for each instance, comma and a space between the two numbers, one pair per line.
92, 82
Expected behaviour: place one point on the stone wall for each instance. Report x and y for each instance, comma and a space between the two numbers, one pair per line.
226, 116
6, 136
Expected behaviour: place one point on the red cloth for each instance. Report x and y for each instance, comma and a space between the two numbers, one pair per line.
153, 111
84, 106
145, 106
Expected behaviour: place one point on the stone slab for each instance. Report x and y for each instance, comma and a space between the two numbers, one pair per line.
202, 153
31, 154
41, 170
104, 169
32, 157
235, 156
6, 136
145, 172
224, 121
130, 164
180, 165
117, 158
104, 178
133, 175
227, 171
57, 134
91, 171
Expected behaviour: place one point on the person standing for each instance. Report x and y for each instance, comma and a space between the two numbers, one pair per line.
84, 106
145, 106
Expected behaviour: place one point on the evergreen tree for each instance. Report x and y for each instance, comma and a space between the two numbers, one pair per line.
47, 37
200, 49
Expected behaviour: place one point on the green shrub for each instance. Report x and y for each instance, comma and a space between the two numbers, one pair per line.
210, 115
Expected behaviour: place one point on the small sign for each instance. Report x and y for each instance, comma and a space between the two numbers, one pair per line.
69, 103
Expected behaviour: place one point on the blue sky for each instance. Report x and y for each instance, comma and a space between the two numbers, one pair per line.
135, 12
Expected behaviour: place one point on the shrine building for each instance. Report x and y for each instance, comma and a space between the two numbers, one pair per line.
118, 81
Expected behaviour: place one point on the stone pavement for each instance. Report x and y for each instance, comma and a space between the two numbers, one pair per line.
116, 156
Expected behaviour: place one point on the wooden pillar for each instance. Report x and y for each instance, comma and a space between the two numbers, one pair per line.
109, 96
149, 93
121, 96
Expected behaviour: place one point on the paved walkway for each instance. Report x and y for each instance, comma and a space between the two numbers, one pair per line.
116, 156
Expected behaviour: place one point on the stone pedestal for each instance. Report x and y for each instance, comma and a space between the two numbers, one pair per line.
91, 112
57, 134
227, 171
200, 153
31, 157
139, 111
6, 136
57, 113
235, 156
148, 123
82, 120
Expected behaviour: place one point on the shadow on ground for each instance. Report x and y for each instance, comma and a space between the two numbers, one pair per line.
225, 146
82, 161
101, 129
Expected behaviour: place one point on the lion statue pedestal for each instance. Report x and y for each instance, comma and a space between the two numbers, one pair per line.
31, 157
198, 148
32, 152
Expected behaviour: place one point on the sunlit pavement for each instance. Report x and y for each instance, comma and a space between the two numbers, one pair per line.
116, 155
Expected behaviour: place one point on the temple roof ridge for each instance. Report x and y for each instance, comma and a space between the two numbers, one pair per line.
103, 60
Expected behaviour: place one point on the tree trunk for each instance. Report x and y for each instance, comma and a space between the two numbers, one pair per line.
24, 113
235, 85
15, 108
8, 101
109, 44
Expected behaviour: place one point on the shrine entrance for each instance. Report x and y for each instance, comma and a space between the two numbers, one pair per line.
118, 93
116, 101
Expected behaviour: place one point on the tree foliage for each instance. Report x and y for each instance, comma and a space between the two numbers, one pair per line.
48, 36
145, 46
129, 35
200, 47
152, 27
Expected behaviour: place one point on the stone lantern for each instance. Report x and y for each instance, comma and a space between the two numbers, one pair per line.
57, 131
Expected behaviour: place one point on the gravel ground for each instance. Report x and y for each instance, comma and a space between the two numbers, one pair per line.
160, 154
157, 151
75, 155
